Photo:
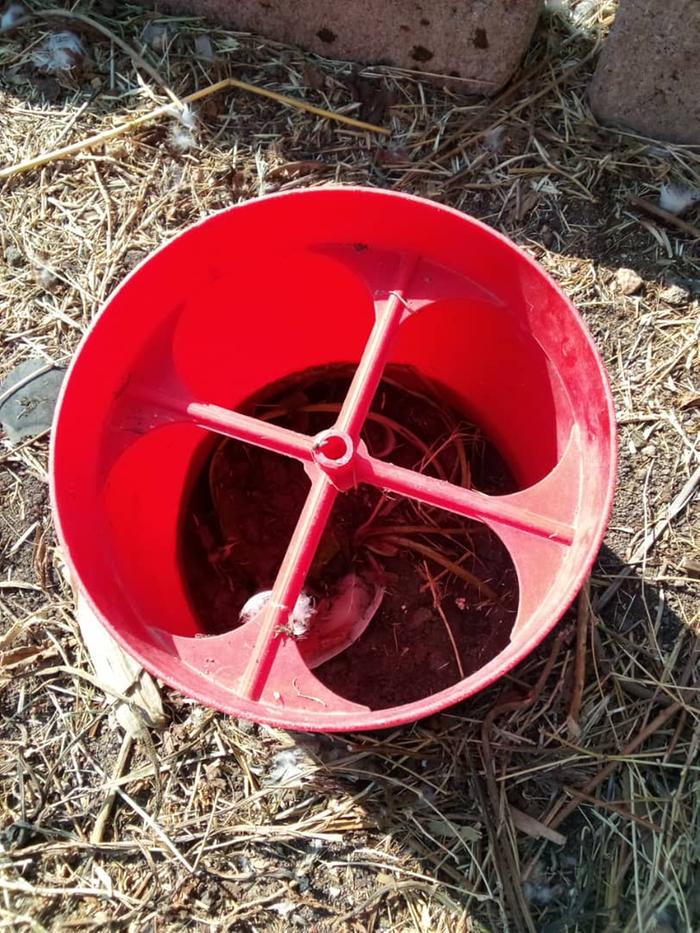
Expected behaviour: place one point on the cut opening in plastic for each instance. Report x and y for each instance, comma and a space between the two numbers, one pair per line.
492, 369
243, 331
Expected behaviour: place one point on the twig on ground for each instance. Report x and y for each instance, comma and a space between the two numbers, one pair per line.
105, 813
583, 618
666, 216
441, 612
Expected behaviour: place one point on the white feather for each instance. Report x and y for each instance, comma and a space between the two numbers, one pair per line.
677, 199
287, 765
12, 16
302, 615
181, 135
60, 53
187, 117
181, 138
300, 620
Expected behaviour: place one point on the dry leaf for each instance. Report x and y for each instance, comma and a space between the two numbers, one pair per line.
445, 829
17, 657
531, 827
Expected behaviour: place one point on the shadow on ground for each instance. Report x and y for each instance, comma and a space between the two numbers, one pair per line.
453, 792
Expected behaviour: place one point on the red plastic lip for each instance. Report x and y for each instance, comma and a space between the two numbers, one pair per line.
323, 493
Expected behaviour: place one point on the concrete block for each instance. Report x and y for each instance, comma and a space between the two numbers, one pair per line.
479, 40
648, 75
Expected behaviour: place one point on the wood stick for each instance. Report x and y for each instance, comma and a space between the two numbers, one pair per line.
666, 216
583, 617
614, 808
103, 816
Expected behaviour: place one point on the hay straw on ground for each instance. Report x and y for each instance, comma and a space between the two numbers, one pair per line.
442, 826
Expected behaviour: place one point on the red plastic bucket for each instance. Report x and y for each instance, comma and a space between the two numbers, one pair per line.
277, 286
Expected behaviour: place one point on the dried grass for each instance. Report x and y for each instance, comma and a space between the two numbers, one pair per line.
448, 825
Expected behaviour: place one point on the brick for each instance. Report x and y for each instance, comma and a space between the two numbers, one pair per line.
648, 75
479, 40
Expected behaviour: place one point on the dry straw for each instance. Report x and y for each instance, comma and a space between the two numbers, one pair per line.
560, 799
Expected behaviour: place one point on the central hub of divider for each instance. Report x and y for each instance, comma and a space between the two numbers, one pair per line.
333, 451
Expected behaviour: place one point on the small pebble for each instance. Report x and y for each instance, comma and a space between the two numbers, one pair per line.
156, 36
204, 48
628, 281
13, 256
673, 295
691, 565
649, 450
45, 277
132, 257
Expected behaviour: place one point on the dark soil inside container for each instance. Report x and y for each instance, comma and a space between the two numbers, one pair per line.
440, 571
